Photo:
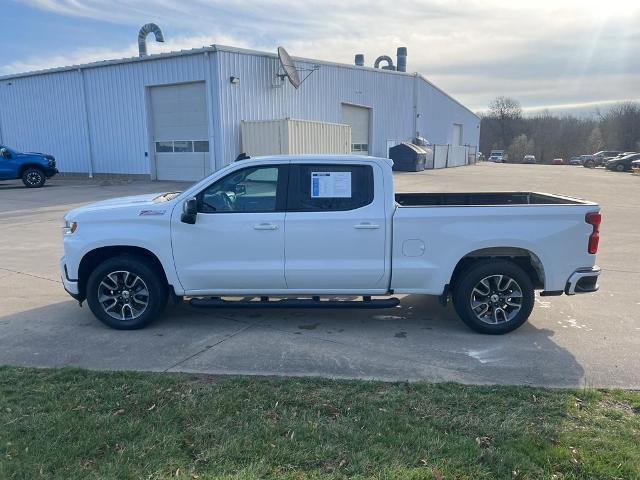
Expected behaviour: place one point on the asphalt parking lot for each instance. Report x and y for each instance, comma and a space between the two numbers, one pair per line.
589, 340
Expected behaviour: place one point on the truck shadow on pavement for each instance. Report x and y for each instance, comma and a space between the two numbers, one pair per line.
418, 340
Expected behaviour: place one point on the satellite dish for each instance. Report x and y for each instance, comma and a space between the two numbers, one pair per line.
289, 67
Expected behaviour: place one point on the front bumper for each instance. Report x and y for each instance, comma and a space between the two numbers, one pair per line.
50, 172
583, 280
70, 285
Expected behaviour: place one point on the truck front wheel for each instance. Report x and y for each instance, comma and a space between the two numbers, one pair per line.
33, 177
494, 296
126, 292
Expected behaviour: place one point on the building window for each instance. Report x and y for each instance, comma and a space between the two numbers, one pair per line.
183, 146
164, 147
359, 147
201, 146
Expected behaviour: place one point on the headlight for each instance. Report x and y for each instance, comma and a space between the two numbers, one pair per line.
69, 227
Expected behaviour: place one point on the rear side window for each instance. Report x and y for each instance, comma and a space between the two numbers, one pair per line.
314, 188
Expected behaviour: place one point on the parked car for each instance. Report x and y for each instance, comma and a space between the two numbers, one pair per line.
598, 158
622, 164
576, 160
557, 161
323, 225
32, 168
497, 156
529, 159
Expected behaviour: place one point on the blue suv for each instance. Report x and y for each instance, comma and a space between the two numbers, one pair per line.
32, 168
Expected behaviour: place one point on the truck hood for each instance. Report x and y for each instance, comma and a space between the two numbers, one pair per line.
136, 203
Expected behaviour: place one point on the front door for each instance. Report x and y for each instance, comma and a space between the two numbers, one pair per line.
335, 229
237, 242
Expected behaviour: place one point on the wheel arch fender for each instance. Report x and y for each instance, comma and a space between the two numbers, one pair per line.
528, 260
92, 258
24, 167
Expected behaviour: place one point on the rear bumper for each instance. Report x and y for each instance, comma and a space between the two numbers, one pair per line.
584, 280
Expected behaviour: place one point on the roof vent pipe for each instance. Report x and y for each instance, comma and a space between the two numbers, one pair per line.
402, 59
359, 60
384, 58
142, 37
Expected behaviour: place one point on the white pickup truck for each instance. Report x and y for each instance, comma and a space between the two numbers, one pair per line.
304, 228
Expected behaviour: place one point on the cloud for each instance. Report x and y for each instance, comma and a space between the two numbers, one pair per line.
540, 52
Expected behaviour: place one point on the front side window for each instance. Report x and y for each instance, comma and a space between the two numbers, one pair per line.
252, 189
314, 188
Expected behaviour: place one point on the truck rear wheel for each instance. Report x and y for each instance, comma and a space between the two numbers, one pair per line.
494, 296
33, 177
126, 292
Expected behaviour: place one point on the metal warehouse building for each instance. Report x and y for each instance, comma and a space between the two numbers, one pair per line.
179, 116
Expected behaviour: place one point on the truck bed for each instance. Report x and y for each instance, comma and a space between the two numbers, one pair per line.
483, 199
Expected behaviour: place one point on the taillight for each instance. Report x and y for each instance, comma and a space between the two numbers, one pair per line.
593, 219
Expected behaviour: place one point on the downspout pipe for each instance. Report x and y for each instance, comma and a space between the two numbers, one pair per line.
142, 37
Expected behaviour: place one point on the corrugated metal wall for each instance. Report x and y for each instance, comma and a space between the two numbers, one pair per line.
438, 114
45, 114
46, 111
318, 98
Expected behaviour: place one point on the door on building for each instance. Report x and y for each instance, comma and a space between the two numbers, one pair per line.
359, 119
335, 228
179, 129
456, 136
237, 242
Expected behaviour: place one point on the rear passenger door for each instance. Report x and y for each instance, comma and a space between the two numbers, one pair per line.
335, 228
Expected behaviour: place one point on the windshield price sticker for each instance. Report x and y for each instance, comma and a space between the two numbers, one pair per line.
330, 184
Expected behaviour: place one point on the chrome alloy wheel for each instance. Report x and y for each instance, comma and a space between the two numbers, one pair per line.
123, 295
496, 299
34, 178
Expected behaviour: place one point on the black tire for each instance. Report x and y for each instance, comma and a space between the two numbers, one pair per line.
464, 294
151, 279
33, 177
620, 167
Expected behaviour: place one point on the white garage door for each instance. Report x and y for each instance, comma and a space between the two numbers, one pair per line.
180, 132
358, 118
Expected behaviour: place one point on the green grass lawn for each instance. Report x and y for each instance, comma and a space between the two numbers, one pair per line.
76, 424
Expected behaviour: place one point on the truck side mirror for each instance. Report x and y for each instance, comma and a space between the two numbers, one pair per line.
5, 153
189, 211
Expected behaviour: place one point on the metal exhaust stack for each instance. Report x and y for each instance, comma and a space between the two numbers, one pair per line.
401, 56
384, 58
142, 37
359, 60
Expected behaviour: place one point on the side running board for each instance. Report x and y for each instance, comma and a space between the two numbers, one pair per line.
315, 302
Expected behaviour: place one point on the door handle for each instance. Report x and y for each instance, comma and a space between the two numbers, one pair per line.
366, 226
265, 226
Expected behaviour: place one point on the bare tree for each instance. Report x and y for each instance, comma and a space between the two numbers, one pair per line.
616, 128
507, 112
505, 108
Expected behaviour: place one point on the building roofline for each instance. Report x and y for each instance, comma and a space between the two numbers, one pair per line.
222, 48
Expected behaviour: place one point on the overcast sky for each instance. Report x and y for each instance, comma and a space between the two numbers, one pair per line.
557, 54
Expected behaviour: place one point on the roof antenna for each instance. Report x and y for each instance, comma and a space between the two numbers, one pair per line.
142, 37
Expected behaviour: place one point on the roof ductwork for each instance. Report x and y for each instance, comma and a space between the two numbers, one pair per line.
142, 37
384, 58
401, 57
